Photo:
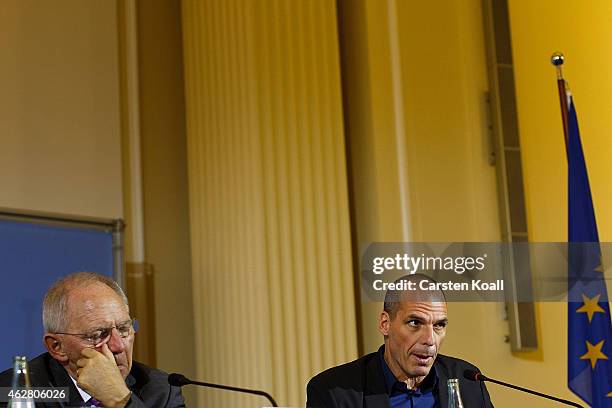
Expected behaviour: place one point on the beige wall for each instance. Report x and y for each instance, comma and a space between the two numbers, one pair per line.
59, 108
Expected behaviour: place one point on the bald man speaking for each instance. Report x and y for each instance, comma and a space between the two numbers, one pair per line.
407, 370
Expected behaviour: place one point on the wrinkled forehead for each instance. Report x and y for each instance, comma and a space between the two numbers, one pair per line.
88, 298
435, 309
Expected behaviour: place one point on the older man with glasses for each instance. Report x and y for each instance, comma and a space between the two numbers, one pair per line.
89, 335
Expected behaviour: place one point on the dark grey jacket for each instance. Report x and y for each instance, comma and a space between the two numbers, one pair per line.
361, 384
149, 386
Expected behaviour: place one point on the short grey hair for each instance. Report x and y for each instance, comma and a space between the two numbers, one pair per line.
55, 303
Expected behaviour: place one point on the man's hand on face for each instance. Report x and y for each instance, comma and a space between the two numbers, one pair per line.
98, 374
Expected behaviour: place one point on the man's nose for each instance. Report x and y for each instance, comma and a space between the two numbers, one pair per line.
428, 335
115, 343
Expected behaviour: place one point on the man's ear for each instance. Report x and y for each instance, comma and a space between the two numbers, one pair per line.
383, 323
53, 344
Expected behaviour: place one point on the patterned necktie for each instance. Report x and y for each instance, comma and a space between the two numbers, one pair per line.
92, 402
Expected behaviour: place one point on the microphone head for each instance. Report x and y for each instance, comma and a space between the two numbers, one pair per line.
474, 375
178, 380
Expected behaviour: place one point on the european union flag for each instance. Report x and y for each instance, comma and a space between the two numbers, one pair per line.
589, 327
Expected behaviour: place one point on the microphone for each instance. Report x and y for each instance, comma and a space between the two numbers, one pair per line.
476, 376
178, 380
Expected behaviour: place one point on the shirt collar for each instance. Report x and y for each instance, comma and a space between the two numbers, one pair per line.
395, 386
84, 394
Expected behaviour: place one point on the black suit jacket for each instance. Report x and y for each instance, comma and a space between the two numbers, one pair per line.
361, 384
149, 386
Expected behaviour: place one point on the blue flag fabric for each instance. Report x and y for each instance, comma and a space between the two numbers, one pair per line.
589, 327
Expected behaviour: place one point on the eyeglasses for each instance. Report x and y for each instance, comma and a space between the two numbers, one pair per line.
102, 334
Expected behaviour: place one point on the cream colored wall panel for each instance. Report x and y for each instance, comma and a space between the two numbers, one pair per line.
59, 109
446, 120
273, 276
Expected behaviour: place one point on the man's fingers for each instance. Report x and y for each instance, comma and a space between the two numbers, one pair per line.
82, 362
106, 351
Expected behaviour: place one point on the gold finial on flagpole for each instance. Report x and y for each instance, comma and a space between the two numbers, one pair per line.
557, 60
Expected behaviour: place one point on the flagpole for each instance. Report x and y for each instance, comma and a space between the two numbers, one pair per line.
557, 60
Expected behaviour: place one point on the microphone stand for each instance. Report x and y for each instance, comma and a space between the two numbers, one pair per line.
474, 376
180, 380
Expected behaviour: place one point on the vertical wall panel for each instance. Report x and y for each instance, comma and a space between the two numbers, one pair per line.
273, 287
60, 117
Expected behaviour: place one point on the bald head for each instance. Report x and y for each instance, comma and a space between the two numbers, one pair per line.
55, 303
393, 297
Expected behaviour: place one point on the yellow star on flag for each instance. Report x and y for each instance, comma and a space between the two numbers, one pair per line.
590, 307
609, 394
594, 353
